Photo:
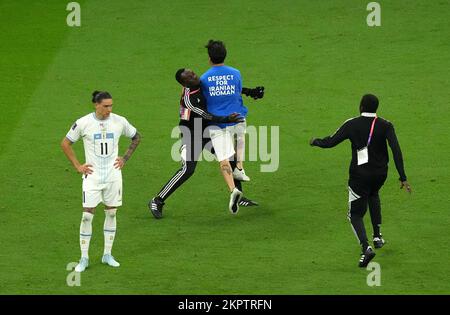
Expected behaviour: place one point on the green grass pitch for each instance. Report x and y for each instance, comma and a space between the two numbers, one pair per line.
315, 58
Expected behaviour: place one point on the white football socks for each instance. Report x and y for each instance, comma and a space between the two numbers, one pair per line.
85, 233
109, 229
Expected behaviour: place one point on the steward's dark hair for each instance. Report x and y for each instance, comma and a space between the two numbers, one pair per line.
178, 76
216, 51
369, 103
99, 96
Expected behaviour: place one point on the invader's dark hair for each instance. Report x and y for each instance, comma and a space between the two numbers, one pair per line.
369, 103
216, 51
99, 96
178, 76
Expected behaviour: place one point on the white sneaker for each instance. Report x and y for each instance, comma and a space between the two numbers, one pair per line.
240, 175
109, 260
82, 265
235, 197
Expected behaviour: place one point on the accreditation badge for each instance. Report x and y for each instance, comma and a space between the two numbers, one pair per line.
363, 156
184, 113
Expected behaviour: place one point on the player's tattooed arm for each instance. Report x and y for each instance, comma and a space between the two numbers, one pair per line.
134, 143
120, 161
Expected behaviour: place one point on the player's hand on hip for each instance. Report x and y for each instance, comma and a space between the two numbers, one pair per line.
406, 185
85, 169
119, 163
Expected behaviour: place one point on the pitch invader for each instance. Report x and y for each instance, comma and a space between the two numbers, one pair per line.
192, 112
101, 173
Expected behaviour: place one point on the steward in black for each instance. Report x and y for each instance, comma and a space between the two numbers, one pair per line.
357, 131
368, 135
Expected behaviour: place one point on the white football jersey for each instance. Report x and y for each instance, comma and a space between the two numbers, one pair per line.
101, 143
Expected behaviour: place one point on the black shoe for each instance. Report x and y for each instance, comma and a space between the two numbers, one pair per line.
366, 257
156, 207
244, 202
378, 242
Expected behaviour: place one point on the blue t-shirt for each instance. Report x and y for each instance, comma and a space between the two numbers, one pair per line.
222, 87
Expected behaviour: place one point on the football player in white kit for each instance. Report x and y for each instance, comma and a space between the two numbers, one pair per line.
101, 173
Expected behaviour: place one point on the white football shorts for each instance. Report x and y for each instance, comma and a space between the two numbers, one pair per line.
110, 194
239, 129
223, 143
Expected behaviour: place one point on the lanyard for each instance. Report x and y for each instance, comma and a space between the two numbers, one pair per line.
371, 130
